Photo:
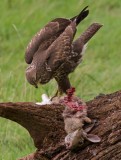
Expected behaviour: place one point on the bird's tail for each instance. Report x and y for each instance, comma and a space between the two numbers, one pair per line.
82, 15
79, 44
90, 32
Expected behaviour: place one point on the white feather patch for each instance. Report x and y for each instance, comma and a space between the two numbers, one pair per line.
45, 100
82, 53
84, 49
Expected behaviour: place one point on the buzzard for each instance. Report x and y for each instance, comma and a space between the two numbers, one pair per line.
52, 53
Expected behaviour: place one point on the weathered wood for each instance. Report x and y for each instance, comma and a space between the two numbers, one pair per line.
43, 122
46, 127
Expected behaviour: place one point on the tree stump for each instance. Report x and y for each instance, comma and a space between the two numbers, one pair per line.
46, 127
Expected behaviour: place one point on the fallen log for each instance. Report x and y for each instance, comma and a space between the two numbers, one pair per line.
46, 127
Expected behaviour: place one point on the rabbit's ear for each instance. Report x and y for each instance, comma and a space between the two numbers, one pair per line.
93, 138
89, 128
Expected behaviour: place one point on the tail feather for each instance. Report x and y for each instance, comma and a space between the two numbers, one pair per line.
89, 32
82, 15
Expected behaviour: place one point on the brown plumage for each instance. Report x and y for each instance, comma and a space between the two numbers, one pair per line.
52, 52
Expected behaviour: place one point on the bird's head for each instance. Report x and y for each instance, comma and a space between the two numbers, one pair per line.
31, 75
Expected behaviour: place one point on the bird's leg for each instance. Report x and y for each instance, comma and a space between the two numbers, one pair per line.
57, 95
63, 86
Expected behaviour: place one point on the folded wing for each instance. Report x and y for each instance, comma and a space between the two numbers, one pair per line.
45, 37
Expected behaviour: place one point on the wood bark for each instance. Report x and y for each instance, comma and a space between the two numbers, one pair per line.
46, 127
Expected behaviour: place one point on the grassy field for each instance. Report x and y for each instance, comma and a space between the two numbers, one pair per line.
98, 73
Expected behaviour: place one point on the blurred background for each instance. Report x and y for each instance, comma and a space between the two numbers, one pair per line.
98, 73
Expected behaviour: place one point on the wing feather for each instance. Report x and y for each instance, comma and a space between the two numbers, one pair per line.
45, 37
60, 49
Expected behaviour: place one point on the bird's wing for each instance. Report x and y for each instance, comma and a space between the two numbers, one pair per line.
78, 49
60, 49
45, 37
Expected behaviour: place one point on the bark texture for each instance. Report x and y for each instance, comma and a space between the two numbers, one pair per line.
46, 127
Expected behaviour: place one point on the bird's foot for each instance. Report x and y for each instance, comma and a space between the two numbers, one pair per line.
57, 100
53, 100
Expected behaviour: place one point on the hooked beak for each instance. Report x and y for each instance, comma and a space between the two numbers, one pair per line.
36, 86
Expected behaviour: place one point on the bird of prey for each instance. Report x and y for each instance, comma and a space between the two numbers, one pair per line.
52, 53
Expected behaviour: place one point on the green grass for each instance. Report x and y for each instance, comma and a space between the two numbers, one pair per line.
98, 73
